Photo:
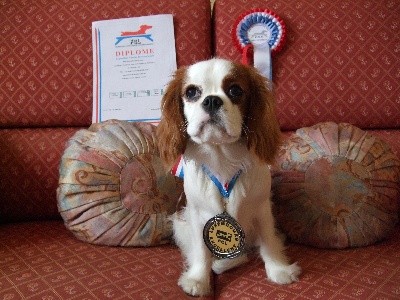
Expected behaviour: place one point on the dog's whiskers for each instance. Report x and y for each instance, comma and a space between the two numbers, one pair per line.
183, 126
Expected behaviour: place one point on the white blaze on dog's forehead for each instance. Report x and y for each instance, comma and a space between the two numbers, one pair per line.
209, 76
209, 73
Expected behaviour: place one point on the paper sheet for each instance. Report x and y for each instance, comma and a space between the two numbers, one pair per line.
133, 61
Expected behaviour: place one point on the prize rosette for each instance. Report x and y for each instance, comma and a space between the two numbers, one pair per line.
260, 31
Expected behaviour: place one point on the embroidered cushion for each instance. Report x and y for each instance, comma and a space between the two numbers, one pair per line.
336, 186
113, 188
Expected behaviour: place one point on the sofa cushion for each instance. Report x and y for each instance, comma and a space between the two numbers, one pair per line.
340, 61
113, 188
46, 54
336, 186
42, 260
357, 273
390, 136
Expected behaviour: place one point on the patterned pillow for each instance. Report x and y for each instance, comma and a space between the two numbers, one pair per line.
113, 188
336, 186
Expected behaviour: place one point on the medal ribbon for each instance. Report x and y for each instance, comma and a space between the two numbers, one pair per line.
224, 188
177, 169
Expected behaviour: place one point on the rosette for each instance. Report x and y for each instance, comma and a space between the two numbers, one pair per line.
262, 31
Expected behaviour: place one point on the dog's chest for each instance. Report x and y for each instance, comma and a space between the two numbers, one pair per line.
210, 191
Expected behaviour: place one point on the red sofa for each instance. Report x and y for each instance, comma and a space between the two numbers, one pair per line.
340, 64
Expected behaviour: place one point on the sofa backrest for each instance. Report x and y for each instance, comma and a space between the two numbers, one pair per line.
340, 62
46, 54
46, 86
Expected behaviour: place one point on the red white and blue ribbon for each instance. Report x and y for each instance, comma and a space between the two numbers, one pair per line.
261, 32
177, 169
225, 188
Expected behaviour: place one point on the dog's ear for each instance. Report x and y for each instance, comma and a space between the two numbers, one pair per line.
171, 131
261, 124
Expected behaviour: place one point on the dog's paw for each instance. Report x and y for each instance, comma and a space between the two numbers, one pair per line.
284, 274
194, 287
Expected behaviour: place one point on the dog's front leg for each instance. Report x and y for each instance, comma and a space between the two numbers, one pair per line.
272, 250
195, 280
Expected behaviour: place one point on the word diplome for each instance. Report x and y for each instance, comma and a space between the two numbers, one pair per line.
124, 53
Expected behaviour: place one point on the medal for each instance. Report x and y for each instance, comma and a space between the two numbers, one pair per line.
223, 236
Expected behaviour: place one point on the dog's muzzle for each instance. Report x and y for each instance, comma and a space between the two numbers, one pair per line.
211, 104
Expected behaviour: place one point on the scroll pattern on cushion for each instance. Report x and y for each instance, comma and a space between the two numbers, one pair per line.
113, 188
336, 186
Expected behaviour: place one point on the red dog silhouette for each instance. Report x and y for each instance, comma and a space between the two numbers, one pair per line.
142, 30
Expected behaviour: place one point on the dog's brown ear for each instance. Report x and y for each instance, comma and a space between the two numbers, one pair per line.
171, 131
261, 125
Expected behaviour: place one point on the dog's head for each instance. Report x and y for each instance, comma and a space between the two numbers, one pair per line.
218, 102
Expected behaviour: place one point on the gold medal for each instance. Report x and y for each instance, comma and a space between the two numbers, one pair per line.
224, 236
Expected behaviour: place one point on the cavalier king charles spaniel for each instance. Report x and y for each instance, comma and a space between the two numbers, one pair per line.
218, 116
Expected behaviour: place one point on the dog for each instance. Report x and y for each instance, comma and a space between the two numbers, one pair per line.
219, 117
142, 30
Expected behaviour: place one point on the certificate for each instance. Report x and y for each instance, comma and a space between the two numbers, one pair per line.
133, 61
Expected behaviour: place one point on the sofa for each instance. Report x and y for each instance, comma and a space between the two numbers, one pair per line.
340, 65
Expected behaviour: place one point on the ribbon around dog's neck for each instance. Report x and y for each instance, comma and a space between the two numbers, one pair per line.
225, 188
261, 32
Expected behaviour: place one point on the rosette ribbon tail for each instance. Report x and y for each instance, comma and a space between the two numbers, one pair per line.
262, 60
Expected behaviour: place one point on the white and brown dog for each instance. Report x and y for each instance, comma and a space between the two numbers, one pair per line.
220, 115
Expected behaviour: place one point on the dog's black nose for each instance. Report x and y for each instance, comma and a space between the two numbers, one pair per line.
211, 104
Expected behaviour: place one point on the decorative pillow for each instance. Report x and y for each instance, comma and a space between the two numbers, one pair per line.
336, 186
113, 188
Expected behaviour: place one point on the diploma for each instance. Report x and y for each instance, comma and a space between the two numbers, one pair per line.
133, 61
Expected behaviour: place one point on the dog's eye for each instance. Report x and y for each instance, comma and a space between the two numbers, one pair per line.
235, 91
193, 93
